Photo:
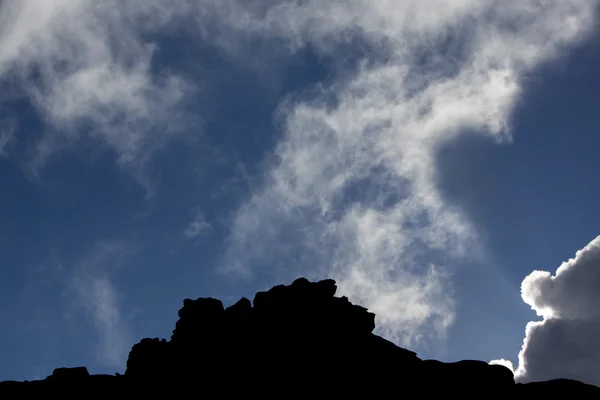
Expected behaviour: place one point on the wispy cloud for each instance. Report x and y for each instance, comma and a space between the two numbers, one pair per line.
353, 192
197, 225
92, 289
7, 133
86, 66
564, 344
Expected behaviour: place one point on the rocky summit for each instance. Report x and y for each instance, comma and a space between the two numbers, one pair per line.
291, 340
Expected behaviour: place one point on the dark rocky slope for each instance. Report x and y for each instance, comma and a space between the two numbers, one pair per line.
293, 340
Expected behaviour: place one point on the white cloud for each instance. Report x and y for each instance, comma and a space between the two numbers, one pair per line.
564, 344
353, 194
7, 133
505, 363
197, 225
101, 301
92, 289
86, 66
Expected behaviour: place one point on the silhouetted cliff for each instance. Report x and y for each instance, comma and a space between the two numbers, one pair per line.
292, 340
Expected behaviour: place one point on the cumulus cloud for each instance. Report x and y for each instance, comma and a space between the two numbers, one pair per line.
352, 192
564, 344
92, 290
86, 66
505, 363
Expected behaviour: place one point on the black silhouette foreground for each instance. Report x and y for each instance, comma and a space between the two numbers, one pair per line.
294, 340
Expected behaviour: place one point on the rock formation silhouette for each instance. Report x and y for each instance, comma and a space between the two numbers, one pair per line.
291, 340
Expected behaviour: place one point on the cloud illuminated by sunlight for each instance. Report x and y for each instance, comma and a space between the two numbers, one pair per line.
352, 194
564, 343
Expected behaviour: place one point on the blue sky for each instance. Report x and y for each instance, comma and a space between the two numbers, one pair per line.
430, 162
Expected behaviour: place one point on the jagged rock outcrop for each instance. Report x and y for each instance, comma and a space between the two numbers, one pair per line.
291, 340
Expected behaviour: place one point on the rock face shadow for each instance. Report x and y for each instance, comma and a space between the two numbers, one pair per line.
291, 340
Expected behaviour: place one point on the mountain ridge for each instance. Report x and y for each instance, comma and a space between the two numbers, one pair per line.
298, 337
